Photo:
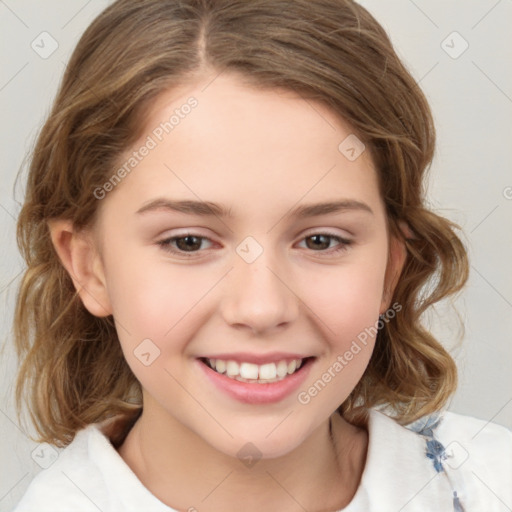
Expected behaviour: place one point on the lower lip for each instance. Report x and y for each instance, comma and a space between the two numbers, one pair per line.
248, 393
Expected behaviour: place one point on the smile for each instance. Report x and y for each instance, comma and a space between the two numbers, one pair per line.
254, 373
281, 377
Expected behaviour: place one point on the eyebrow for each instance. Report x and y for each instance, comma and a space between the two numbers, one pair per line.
207, 208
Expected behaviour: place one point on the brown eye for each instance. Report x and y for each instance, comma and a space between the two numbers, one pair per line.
320, 242
184, 244
189, 244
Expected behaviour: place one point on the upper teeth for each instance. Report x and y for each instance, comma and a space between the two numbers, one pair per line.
269, 371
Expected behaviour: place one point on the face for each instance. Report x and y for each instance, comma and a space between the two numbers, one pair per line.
260, 286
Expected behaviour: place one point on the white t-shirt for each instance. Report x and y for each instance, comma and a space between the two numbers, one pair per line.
466, 466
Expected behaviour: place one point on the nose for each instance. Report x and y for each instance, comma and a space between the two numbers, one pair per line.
259, 296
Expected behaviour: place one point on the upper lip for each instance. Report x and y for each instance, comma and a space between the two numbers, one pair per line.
259, 359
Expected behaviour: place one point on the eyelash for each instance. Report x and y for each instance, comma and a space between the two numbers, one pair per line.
166, 244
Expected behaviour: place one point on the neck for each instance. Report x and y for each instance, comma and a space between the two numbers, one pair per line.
183, 471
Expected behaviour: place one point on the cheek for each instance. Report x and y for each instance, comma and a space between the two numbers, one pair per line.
350, 340
347, 299
346, 303
158, 300
151, 300
154, 312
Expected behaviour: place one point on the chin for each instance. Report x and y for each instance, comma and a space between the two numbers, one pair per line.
258, 443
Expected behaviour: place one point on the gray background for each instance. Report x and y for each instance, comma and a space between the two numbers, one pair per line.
470, 94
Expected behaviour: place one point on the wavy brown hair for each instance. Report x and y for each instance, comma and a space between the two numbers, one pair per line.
72, 370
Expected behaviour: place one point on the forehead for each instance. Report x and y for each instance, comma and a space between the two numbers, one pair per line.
227, 108
247, 148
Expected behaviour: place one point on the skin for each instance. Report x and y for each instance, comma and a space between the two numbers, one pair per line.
260, 153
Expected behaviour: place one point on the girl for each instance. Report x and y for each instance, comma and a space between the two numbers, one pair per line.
228, 257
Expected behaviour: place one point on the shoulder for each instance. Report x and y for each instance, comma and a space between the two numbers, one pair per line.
444, 462
73, 481
474, 454
485, 446
473, 430
90, 475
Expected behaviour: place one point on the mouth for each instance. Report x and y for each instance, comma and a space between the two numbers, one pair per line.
256, 373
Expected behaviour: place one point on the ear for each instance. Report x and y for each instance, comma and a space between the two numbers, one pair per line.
79, 256
396, 260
